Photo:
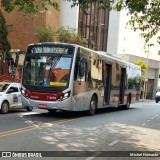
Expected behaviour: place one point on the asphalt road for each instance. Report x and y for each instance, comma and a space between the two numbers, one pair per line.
136, 129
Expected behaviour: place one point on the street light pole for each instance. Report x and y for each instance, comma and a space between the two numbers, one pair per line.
146, 77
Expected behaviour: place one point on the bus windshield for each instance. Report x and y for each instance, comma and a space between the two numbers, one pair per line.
47, 70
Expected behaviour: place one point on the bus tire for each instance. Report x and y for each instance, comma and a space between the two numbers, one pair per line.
5, 107
92, 106
127, 105
29, 108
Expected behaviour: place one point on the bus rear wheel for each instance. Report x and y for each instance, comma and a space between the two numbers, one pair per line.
93, 106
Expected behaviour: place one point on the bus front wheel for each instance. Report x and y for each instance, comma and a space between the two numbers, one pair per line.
29, 108
93, 106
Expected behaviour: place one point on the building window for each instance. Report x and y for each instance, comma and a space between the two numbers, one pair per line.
93, 26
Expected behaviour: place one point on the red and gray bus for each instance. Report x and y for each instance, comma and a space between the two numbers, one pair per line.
70, 77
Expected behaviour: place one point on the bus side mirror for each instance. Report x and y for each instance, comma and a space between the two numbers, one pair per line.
81, 69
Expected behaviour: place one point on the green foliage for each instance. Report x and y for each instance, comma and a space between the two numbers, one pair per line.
69, 35
131, 5
103, 4
145, 14
28, 6
45, 34
4, 43
143, 66
62, 34
148, 22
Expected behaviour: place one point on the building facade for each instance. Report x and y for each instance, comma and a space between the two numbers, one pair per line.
23, 28
128, 45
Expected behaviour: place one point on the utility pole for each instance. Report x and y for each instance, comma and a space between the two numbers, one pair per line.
146, 77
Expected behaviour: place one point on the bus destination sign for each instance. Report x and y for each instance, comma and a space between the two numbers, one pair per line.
49, 49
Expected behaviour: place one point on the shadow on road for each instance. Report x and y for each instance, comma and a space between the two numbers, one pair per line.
41, 116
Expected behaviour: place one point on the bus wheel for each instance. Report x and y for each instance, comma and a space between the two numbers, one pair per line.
127, 105
5, 107
93, 106
29, 108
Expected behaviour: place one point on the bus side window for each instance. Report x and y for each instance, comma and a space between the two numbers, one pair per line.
80, 66
80, 82
76, 70
82, 70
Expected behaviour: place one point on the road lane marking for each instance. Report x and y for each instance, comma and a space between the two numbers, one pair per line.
33, 127
8, 134
19, 129
113, 143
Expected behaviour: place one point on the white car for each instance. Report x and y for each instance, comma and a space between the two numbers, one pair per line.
10, 97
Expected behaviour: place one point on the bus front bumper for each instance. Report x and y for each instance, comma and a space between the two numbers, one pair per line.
59, 105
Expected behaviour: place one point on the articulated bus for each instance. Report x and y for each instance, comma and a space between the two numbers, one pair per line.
62, 76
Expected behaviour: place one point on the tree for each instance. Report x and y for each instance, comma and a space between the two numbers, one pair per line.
45, 34
69, 35
28, 6
144, 68
62, 34
145, 14
4, 43
147, 20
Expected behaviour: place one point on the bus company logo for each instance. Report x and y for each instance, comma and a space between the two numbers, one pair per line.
34, 97
6, 154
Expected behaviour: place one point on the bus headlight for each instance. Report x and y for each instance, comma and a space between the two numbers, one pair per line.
64, 96
22, 91
25, 93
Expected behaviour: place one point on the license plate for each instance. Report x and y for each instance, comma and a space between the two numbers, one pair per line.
42, 106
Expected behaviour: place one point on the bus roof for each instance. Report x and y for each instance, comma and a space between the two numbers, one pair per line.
103, 55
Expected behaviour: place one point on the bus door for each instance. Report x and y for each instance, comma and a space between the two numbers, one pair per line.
122, 85
107, 83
